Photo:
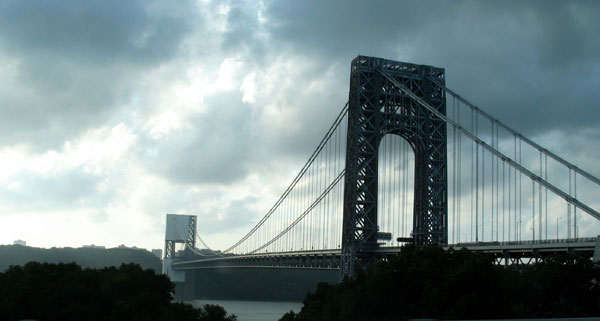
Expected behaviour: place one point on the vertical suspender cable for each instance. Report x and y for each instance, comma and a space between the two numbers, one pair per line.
540, 203
389, 186
323, 204
305, 196
406, 176
459, 170
520, 196
317, 226
318, 209
497, 182
455, 214
326, 200
393, 191
483, 194
401, 190
533, 210
328, 211
472, 175
390, 181
394, 229
516, 236
569, 209
290, 218
381, 182
293, 238
503, 202
493, 185
314, 240
575, 207
403, 195
337, 225
509, 203
477, 193
390, 178
397, 190
476, 182
308, 226
546, 192
342, 163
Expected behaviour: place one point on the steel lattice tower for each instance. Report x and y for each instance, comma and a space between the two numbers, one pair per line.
378, 108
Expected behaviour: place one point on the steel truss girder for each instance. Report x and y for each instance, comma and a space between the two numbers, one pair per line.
378, 108
320, 260
513, 254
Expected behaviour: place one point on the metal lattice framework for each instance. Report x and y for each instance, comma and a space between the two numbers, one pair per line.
191, 236
377, 108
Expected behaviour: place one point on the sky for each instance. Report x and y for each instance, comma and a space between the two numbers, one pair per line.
114, 113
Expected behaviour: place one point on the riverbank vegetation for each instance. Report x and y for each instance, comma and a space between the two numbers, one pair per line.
428, 282
44, 291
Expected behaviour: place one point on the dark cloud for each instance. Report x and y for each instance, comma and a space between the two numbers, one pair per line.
336, 29
74, 62
518, 60
244, 33
93, 32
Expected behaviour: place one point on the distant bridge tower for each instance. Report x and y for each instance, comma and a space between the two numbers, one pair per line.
179, 229
378, 108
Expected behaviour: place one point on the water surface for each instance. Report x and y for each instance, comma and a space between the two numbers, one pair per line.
253, 310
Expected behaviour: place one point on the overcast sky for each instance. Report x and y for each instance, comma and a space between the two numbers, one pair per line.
114, 113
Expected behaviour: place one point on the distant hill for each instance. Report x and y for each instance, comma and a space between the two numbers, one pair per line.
85, 257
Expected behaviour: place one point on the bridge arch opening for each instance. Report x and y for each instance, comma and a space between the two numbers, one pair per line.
395, 198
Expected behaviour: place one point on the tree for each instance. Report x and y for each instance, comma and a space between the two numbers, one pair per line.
428, 282
46, 291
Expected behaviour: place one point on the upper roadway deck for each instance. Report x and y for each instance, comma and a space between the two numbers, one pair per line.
522, 252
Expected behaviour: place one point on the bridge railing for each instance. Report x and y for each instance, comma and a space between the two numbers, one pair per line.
529, 242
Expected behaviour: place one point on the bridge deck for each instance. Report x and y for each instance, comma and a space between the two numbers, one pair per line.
505, 252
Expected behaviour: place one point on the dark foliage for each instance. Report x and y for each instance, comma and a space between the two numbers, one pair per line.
44, 291
428, 282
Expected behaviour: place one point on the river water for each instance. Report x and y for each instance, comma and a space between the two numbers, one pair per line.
253, 310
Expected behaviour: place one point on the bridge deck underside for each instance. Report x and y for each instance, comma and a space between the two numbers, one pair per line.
507, 253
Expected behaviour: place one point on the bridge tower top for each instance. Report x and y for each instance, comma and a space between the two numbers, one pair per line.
179, 229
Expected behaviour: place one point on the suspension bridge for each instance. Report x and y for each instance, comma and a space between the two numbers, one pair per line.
408, 160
